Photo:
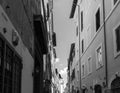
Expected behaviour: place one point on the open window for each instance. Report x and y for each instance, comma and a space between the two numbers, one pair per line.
116, 40
97, 18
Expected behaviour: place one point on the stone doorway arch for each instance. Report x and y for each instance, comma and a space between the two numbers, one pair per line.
115, 85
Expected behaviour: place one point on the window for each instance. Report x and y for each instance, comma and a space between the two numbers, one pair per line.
73, 74
77, 31
115, 1
117, 33
1, 63
81, 21
99, 62
11, 66
9, 56
97, 18
8, 70
83, 70
117, 40
1, 52
82, 45
89, 65
73, 53
78, 75
17, 74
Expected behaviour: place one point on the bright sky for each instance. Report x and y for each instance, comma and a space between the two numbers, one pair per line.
65, 33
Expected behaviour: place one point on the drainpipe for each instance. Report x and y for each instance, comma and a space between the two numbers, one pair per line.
79, 47
44, 12
105, 44
45, 20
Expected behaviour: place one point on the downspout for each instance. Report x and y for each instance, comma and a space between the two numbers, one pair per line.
44, 11
45, 20
105, 44
79, 47
52, 15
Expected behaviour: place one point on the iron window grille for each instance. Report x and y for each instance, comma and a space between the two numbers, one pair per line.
10, 69
1, 63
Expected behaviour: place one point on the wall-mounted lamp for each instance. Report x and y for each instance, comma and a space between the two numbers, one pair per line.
15, 38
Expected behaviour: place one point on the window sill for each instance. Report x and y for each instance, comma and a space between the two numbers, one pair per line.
98, 68
114, 5
89, 73
83, 77
116, 54
112, 10
92, 39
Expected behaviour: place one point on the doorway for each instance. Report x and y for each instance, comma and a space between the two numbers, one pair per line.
98, 89
115, 85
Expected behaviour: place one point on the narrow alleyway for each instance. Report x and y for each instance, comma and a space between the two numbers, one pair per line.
59, 46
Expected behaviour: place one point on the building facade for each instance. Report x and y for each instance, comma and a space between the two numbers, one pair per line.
92, 51
112, 43
23, 40
73, 71
98, 23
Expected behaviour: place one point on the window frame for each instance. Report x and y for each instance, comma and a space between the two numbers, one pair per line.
77, 75
83, 46
2, 47
7, 75
89, 66
83, 71
77, 31
81, 20
97, 66
8, 68
98, 8
73, 74
114, 41
114, 4
17, 73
